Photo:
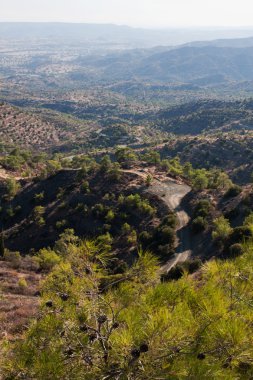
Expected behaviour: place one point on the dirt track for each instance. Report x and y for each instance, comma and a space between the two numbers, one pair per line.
172, 192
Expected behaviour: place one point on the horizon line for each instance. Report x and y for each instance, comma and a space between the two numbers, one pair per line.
130, 26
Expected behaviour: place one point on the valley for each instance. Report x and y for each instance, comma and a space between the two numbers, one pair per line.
126, 203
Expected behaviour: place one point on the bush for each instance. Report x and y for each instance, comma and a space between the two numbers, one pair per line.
110, 216
38, 197
145, 237
199, 224
222, 229
132, 237
236, 250
192, 265
37, 215
85, 187
165, 251
14, 258
202, 208
12, 187
170, 220
61, 224
46, 259
22, 284
167, 235
240, 234
126, 228
174, 274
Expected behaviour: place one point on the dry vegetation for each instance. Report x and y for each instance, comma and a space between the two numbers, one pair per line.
25, 129
19, 284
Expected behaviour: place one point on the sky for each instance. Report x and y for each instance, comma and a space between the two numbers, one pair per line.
138, 13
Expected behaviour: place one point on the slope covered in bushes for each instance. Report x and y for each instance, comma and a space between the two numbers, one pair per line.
133, 326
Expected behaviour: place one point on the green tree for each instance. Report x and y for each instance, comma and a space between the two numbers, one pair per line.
105, 164
200, 181
37, 215
222, 228
148, 180
12, 187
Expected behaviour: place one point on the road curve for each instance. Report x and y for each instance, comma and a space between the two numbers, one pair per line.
172, 192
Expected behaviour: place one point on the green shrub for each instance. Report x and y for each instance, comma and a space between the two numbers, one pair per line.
14, 258
199, 224
47, 259
22, 284
240, 234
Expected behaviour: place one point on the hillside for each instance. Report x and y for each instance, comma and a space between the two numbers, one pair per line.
27, 130
126, 203
137, 326
192, 64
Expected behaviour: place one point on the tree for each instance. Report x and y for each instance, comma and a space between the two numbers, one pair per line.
115, 172
200, 181
38, 213
93, 325
148, 180
110, 216
125, 156
12, 187
222, 229
106, 164
199, 224
187, 170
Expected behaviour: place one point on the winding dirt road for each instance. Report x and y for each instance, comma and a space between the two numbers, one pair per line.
172, 192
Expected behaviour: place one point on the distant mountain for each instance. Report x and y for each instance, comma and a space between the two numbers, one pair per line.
227, 42
201, 66
104, 33
192, 64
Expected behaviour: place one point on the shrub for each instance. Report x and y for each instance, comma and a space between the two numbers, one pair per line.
239, 234
192, 265
37, 216
14, 258
199, 224
236, 250
202, 208
47, 259
12, 187
174, 274
170, 220
39, 197
126, 228
165, 251
132, 237
110, 216
222, 229
61, 224
145, 237
167, 235
22, 284
85, 187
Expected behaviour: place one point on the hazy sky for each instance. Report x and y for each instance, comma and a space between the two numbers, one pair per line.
145, 13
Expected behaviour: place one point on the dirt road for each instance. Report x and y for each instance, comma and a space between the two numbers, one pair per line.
172, 192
